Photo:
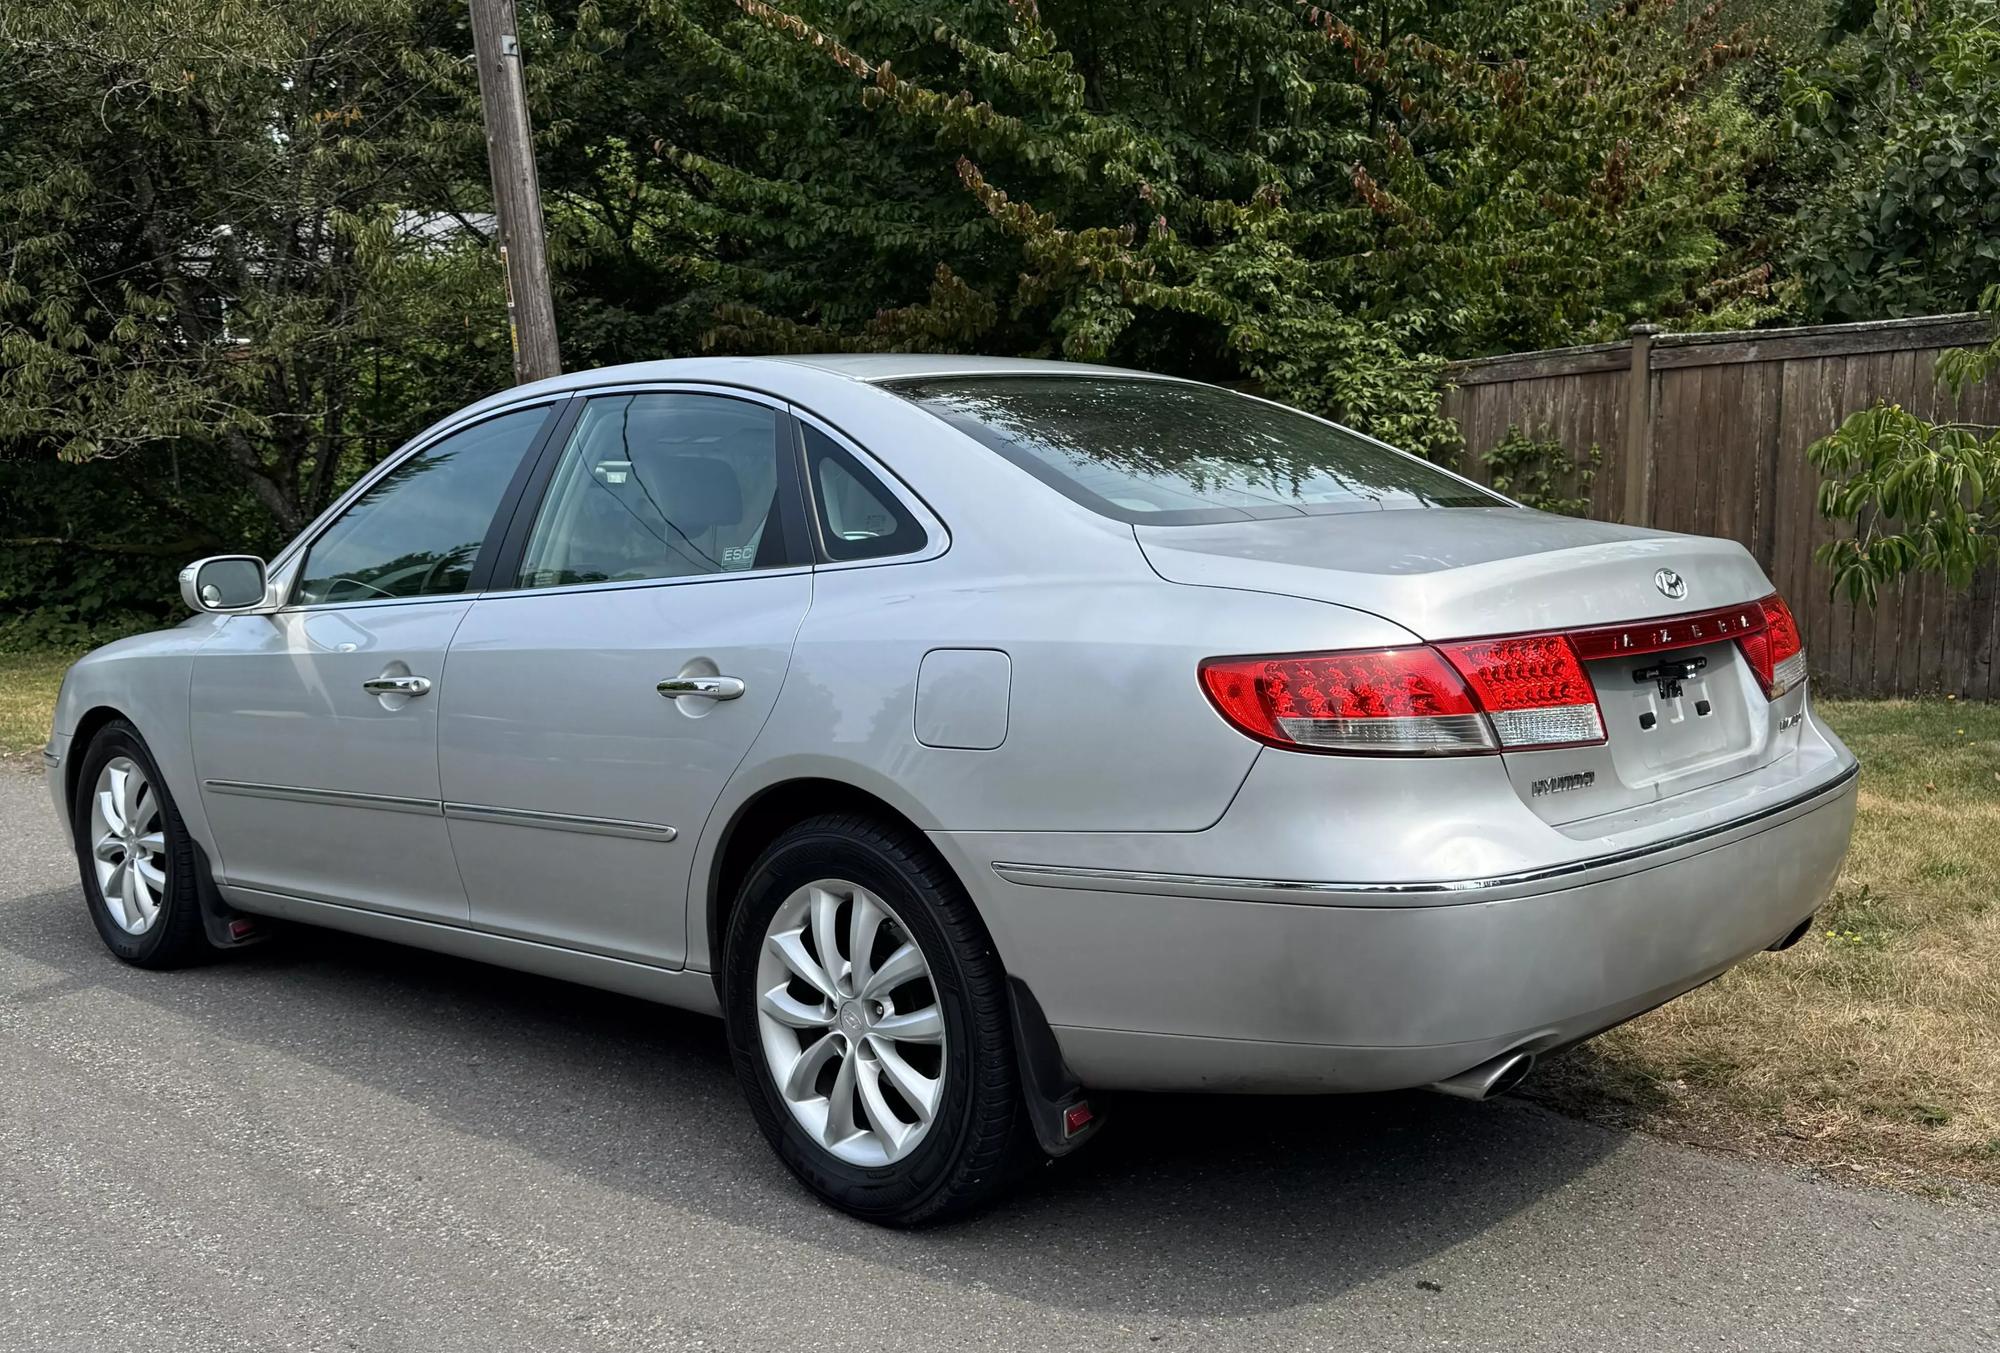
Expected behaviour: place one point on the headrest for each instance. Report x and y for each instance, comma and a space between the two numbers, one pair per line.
696, 492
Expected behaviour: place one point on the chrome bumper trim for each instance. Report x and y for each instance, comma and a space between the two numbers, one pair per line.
564, 822
1207, 885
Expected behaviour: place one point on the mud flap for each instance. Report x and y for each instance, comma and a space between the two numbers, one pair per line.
1062, 1116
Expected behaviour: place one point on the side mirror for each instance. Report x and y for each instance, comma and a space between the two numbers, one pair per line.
223, 583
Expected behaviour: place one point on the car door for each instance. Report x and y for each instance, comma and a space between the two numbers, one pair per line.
631, 646
315, 727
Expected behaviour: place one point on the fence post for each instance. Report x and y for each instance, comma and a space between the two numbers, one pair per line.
1639, 427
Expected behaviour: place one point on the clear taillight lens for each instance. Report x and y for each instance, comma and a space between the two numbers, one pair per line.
1776, 652
1470, 697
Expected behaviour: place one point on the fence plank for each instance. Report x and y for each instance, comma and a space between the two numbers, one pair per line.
1732, 416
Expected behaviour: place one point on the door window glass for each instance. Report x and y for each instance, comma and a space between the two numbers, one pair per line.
661, 486
417, 531
858, 517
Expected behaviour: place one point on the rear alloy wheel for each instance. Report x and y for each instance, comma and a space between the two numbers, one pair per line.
868, 1021
134, 855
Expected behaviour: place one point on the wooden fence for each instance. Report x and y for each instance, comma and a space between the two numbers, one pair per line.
1707, 433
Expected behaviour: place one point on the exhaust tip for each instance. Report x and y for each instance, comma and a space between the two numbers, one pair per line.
1792, 936
1488, 1079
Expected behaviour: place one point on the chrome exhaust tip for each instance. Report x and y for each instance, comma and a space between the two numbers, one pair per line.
1488, 1079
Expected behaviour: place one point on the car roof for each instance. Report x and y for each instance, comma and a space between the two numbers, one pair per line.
889, 366
861, 368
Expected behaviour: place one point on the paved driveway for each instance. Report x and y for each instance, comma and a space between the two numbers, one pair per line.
340, 1144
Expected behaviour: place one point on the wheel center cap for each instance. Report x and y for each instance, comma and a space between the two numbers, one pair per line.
852, 1021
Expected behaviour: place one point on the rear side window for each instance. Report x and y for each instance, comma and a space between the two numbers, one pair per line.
858, 517
661, 485
1167, 453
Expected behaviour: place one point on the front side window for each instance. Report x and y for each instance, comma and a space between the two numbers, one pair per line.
417, 531
1168, 453
661, 486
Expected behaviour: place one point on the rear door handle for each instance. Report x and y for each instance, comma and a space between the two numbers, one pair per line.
397, 685
708, 687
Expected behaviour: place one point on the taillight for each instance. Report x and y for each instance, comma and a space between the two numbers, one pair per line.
1470, 697
1776, 653
1533, 688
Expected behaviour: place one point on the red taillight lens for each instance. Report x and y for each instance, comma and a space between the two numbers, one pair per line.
1370, 700
1469, 697
1533, 687
1776, 653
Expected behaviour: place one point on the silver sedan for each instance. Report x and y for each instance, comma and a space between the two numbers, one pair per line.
977, 738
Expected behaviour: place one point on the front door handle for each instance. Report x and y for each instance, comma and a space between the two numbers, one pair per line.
708, 687
397, 685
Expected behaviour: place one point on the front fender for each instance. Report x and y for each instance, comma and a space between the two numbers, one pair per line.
144, 680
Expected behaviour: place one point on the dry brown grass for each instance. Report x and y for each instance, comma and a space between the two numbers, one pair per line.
1874, 1045
28, 683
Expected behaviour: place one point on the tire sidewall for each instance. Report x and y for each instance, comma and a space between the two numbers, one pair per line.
885, 1193
177, 898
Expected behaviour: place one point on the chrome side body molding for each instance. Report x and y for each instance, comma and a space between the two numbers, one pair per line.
470, 812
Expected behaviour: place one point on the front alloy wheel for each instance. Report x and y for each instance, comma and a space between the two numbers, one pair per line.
135, 857
129, 845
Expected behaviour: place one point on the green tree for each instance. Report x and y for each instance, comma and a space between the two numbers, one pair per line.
1901, 124
224, 226
1922, 495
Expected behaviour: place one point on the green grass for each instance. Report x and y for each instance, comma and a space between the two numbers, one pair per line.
28, 684
1873, 1045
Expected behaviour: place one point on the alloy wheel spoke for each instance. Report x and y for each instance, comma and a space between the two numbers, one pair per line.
125, 784
113, 887
864, 920
153, 843
790, 947
799, 1079
919, 1091
137, 900
789, 1010
107, 808
109, 848
896, 969
918, 1026
881, 1118
826, 934
150, 873
840, 1102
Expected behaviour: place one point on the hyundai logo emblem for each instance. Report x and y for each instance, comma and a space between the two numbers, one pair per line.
1671, 584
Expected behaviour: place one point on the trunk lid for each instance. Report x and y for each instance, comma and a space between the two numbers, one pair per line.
1475, 572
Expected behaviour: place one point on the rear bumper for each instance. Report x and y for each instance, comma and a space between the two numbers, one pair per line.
1172, 989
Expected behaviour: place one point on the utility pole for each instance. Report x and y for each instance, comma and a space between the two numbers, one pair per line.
517, 195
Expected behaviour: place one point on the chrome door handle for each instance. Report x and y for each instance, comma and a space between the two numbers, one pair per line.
712, 688
397, 685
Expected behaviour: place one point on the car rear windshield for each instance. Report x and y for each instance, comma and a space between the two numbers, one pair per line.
1167, 453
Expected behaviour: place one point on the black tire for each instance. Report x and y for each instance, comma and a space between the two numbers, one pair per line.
175, 938
979, 1137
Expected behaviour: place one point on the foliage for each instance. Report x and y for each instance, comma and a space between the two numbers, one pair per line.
1923, 496
1541, 472
207, 238
1899, 124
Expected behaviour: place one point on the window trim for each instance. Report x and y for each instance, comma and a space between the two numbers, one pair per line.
528, 507
937, 538
291, 560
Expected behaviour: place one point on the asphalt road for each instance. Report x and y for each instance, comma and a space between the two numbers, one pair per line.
338, 1144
